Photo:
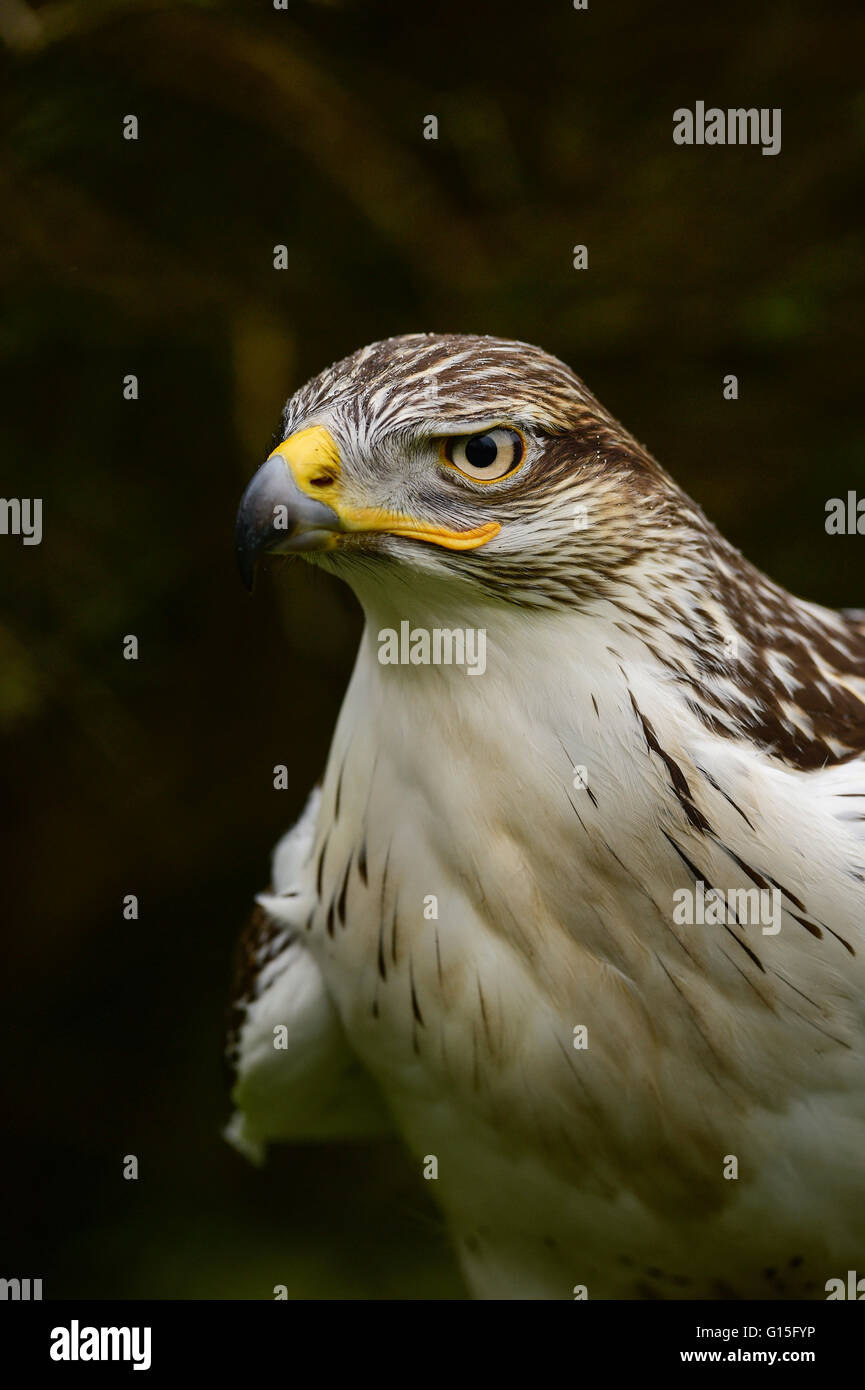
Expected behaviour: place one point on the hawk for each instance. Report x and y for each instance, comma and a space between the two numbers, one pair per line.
479, 932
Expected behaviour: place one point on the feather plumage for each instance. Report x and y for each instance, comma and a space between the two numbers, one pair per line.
654, 714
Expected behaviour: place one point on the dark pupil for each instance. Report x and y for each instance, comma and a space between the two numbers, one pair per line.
481, 450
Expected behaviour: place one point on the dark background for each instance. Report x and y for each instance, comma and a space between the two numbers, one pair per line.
154, 257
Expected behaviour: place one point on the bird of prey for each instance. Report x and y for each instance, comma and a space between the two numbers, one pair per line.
583, 920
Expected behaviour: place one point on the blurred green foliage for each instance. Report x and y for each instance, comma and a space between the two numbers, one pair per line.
154, 257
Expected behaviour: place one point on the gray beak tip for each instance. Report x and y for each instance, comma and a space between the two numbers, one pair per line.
306, 520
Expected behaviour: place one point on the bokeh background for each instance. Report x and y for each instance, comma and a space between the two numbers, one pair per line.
155, 257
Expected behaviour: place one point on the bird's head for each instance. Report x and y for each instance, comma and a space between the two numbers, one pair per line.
440, 472
470, 458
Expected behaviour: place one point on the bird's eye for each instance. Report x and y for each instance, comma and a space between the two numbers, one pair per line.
488, 456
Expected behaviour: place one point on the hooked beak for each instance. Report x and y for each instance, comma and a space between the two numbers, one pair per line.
277, 513
294, 503
276, 517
